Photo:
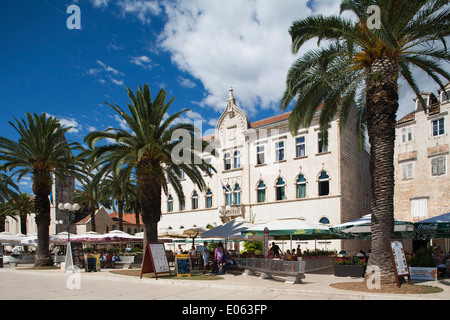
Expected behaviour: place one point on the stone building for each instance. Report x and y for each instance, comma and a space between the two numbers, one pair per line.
422, 188
265, 173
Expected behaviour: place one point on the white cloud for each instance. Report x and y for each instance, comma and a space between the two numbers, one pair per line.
142, 61
142, 9
116, 82
186, 83
244, 44
109, 69
122, 123
100, 3
68, 122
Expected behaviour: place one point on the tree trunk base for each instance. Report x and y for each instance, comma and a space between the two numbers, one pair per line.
43, 261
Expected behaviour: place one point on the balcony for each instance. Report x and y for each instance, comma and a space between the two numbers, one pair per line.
230, 212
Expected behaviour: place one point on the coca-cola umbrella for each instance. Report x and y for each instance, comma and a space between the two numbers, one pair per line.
361, 229
433, 228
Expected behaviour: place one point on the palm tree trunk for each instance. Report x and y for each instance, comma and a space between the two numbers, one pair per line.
93, 220
150, 198
23, 223
42, 207
120, 204
382, 105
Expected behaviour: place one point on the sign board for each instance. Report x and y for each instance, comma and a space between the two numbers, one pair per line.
425, 274
78, 254
183, 265
155, 260
398, 259
74, 256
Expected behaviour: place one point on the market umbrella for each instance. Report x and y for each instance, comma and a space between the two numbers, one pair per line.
361, 229
433, 228
294, 228
117, 236
230, 230
6, 237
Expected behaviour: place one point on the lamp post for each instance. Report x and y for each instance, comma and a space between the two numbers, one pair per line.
68, 208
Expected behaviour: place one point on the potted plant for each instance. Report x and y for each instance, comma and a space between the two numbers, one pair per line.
349, 267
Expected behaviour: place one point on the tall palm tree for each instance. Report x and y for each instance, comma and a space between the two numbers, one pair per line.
8, 190
363, 62
41, 150
116, 184
147, 150
133, 205
21, 205
88, 198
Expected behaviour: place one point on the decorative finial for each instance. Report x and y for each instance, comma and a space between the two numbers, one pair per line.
230, 94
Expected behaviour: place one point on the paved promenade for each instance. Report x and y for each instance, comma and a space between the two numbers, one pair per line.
16, 283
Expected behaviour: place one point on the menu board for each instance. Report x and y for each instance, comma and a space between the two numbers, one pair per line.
159, 257
183, 265
398, 259
155, 260
78, 254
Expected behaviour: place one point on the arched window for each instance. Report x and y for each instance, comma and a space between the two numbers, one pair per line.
227, 161
280, 189
261, 191
324, 184
324, 220
195, 200
169, 203
301, 187
237, 194
228, 195
208, 198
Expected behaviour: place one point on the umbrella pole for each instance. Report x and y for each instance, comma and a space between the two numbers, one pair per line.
290, 238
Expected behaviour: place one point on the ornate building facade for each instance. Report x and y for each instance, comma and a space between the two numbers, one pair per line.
266, 173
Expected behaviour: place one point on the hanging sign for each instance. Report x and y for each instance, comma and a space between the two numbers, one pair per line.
155, 260
398, 259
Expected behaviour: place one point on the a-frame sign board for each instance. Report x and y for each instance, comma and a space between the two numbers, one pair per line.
155, 260
398, 259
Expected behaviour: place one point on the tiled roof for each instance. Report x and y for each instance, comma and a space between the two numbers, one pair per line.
410, 116
270, 120
129, 218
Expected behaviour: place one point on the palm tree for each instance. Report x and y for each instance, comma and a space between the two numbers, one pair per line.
363, 62
133, 205
7, 191
42, 151
88, 198
117, 184
147, 150
22, 204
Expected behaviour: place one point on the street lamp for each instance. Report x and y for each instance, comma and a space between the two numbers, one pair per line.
68, 208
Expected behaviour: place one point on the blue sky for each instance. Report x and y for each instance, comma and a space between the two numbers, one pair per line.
194, 49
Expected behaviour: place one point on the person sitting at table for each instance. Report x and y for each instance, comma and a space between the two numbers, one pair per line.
294, 255
288, 255
115, 258
108, 260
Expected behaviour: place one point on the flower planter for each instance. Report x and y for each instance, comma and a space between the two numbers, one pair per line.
349, 271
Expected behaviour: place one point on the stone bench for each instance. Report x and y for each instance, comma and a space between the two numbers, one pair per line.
125, 261
19, 259
294, 271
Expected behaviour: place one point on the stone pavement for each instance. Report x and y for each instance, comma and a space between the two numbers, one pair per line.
19, 284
